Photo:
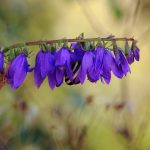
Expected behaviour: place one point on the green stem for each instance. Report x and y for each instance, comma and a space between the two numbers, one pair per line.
32, 43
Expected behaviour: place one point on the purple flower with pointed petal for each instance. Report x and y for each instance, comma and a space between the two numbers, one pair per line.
129, 53
104, 63
17, 71
94, 72
52, 79
86, 66
44, 64
136, 52
108, 62
63, 65
99, 57
130, 56
76, 59
121, 62
1, 62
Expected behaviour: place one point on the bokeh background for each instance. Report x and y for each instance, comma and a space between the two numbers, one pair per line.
81, 117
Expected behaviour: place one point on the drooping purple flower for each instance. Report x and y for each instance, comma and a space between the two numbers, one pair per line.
136, 53
17, 71
129, 53
44, 64
95, 72
121, 62
86, 66
63, 65
130, 56
1, 62
99, 57
97, 64
104, 63
76, 59
108, 62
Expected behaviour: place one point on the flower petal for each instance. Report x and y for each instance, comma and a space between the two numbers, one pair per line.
124, 64
136, 52
62, 57
99, 57
52, 80
47, 63
59, 75
1, 61
17, 71
38, 79
20, 74
87, 64
108, 61
130, 57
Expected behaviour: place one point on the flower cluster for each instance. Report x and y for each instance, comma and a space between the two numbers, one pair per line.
72, 64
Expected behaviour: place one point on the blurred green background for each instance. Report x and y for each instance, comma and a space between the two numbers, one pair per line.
81, 117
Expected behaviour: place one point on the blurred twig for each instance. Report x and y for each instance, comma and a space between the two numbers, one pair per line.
136, 11
95, 23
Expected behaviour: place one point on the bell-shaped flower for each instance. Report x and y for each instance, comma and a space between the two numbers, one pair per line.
17, 71
100, 51
130, 56
76, 59
1, 62
63, 65
86, 67
107, 64
44, 64
104, 63
129, 53
121, 62
136, 53
95, 71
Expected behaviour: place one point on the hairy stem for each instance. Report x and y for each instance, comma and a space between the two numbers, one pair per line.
32, 43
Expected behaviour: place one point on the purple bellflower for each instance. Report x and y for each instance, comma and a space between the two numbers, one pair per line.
52, 73
104, 63
132, 53
130, 56
129, 53
86, 67
122, 64
76, 59
17, 71
63, 65
1, 62
136, 53
44, 64
86, 61
106, 66
96, 71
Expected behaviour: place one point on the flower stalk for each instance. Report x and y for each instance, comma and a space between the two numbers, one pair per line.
40, 42
69, 60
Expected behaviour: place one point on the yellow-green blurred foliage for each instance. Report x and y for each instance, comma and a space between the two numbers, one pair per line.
89, 116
